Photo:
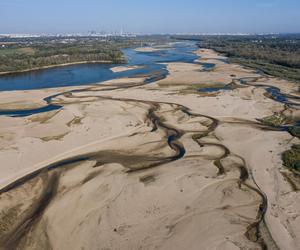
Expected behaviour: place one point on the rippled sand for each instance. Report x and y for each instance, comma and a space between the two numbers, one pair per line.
128, 165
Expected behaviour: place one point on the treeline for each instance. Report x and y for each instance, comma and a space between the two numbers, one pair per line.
277, 55
281, 51
31, 54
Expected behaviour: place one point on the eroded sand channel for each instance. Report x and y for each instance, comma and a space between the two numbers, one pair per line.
128, 165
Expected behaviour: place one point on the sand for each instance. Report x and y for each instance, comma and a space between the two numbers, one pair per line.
118, 69
148, 49
159, 166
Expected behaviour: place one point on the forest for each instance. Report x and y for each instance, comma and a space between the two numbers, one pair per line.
277, 55
32, 53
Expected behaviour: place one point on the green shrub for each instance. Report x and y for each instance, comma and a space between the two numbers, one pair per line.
291, 158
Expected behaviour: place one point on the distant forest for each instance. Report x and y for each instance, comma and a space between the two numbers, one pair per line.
25, 54
277, 55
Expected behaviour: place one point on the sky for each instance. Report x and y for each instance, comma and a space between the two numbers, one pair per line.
150, 16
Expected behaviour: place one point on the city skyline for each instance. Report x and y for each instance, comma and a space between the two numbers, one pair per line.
216, 16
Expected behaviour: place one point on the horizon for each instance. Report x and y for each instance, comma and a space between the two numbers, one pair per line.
142, 17
124, 32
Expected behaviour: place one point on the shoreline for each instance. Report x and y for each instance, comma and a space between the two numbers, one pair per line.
257, 65
168, 124
57, 66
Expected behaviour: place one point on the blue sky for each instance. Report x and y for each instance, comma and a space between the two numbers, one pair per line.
149, 16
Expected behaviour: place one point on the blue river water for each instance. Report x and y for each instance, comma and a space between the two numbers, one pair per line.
82, 74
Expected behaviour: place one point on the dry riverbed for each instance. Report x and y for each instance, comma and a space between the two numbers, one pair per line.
166, 165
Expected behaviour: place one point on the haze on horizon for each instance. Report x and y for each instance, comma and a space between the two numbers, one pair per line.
170, 16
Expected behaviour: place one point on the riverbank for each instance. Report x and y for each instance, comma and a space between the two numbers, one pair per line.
277, 56
55, 66
40, 53
160, 165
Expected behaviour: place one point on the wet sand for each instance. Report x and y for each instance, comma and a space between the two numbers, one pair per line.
129, 165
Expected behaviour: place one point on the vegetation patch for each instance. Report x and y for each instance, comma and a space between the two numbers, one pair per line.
209, 85
293, 178
291, 158
269, 68
294, 131
38, 53
276, 55
275, 120
205, 89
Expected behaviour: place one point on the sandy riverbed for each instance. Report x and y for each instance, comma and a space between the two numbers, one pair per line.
118, 69
159, 166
